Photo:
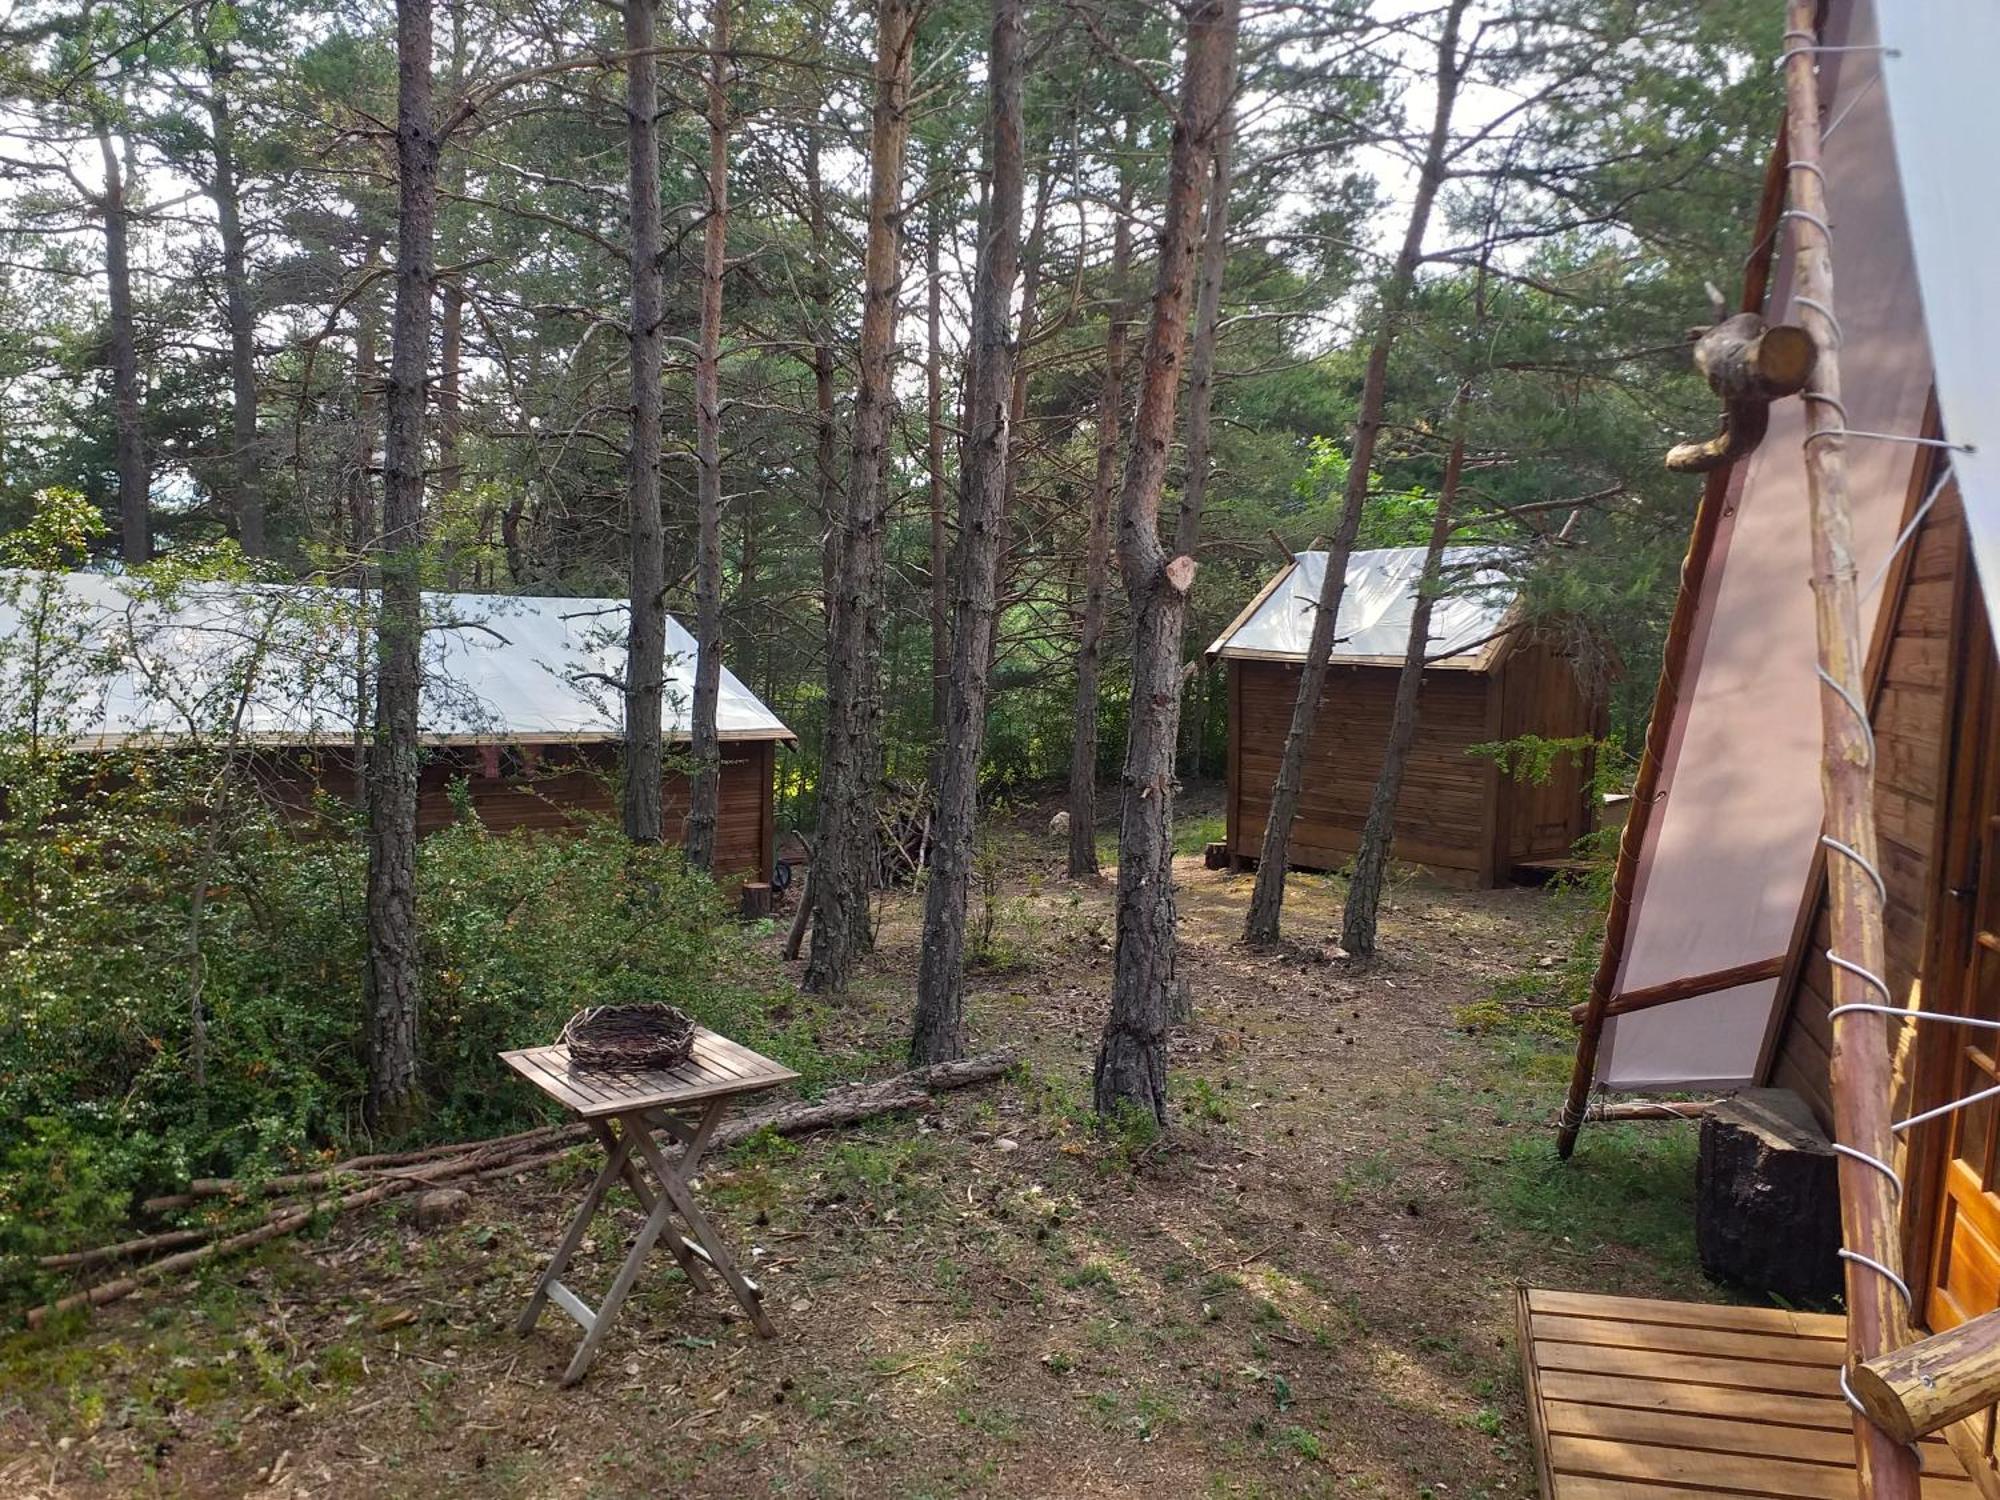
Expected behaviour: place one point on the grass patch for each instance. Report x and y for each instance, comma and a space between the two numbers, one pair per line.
1626, 1188
1192, 835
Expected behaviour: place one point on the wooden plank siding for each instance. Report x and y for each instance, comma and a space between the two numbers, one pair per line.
1456, 815
1909, 712
550, 789
1540, 696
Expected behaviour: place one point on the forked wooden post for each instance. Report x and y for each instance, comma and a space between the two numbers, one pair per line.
1877, 1320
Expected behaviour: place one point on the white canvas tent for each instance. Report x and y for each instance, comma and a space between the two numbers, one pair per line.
149, 667
1718, 876
1375, 610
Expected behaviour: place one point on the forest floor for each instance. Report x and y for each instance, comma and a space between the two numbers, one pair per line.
1303, 1287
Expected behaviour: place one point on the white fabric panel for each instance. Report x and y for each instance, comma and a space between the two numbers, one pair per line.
1723, 869
1939, 77
496, 667
1375, 608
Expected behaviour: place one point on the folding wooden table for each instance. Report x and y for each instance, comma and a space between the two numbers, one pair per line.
626, 1110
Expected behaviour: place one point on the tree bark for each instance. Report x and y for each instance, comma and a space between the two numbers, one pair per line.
826, 469
646, 644
393, 959
1032, 270
940, 600
1097, 553
705, 797
938, 1034
1201, 366
1371, 857
1207, 326
127, 405
850, 764
1267, 899
246, 455
451, 334
1131, 1066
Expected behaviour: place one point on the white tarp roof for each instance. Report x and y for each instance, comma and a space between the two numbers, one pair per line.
1938, 73
141, 664
1375, 609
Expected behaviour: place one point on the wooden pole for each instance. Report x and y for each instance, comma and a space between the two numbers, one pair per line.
1877, 1319
1666, 708
1934, 1382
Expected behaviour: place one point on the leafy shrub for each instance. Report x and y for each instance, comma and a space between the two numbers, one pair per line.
181, 968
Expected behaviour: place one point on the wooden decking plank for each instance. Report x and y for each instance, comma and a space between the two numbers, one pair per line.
1728, 1473
1687, 1314
1737, 1374
1720, 1343
1706, 1434
1829, 1414
1538, 1437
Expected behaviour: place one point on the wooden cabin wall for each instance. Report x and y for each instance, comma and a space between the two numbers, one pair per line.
1541, 695
549, 789
1443, 818
1910, 715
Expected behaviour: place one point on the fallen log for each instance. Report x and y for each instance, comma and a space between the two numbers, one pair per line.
151, 1244
306, 1182
475, 1161
187, 1260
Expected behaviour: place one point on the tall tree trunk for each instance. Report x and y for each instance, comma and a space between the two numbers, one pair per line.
826, 469
1371, 858
938, 1034
646, 645
940, 601
392, 764
358, 526
705, 799
1201, 370
1267, 899
246, 456
1032, 271
451, 335
1131, 1068
128, 410
1097, 550
850, 765
1207, 325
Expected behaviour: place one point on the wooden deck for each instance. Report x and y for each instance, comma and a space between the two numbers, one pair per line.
1638, 1400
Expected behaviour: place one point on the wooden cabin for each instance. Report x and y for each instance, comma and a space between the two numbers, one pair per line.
1491, 677
1720, 978
520, 715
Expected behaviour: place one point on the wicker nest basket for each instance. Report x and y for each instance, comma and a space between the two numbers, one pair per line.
624, 1037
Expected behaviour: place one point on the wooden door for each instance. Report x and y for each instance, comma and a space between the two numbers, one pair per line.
1964, 1279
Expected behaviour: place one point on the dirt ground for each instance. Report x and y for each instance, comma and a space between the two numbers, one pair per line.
1303, 1287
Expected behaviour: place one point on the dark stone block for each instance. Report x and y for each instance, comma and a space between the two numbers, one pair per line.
1767, 1198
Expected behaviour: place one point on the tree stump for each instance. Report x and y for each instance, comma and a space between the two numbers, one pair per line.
1767, 1199
756, 899
1215, 856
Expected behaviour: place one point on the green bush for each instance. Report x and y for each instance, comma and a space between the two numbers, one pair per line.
181, 969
